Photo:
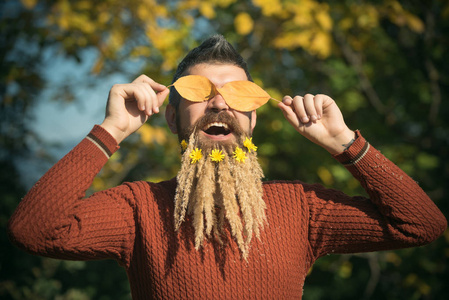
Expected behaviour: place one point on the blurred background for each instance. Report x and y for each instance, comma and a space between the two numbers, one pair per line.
385, 62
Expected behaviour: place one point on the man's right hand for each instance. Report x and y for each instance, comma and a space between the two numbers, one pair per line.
130, 105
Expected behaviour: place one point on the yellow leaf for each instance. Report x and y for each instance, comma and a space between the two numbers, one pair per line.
393, 258
345, 269
195, 88
207, 10
324, 20
29, 4
239, 95
98, 184
325, 176
244, 95
321, 44
84, 5
269, 7
223, 3
243, 23
96, 69
414, 23
144, 51
150, 135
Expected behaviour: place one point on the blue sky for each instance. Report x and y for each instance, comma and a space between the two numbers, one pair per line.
61, 125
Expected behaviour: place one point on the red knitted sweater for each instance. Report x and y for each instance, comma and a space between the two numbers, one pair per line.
133, 224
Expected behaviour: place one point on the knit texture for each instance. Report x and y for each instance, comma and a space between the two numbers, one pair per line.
133, 224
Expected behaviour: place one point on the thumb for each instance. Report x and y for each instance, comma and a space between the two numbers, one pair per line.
289, 114
162, 95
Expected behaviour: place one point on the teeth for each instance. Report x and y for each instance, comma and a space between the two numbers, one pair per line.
217, 124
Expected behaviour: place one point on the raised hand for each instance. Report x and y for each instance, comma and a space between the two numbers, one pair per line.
130, 105
318, 118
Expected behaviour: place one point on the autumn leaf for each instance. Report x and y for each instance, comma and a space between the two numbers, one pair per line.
239, 95
195, 88
243, 23
244, 95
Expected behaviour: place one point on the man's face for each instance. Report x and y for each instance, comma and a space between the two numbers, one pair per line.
218, 131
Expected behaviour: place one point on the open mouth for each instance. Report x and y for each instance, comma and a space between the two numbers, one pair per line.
217, 128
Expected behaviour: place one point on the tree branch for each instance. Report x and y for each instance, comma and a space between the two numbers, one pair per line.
353, 58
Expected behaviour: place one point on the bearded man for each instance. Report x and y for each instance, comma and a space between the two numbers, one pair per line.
192, 237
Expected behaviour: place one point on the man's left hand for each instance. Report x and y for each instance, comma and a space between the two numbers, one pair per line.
318, 118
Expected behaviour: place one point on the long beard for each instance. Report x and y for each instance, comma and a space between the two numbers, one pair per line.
218, 193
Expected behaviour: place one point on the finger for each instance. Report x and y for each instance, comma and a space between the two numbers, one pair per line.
154, 85
157, 99
161, 96
289, 113
151, 106
309, 107
298, 104
287, 100
143, 99
158, 92
133, 92
319, 100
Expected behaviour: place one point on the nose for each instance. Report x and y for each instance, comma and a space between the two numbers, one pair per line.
217, 103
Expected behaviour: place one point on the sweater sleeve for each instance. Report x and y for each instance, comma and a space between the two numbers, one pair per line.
55, 220
398, 213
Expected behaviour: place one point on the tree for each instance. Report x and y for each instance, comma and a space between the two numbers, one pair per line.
383, 61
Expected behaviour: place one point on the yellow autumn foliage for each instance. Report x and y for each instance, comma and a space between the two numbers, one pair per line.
324, 20
305, 24
167, 41
144, 51
243, 23
309, 27
150, 135
222, 3
270, 7
29, 4
401, 17
321, 44
325, 176
207, 9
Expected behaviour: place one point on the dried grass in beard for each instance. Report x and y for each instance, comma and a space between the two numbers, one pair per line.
202, 202
231, 207
209, 194
185, 180
249, 192
250, 175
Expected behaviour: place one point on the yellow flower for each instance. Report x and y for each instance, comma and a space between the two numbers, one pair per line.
248, 143
239, 155
216, 155
195, 155
183, 145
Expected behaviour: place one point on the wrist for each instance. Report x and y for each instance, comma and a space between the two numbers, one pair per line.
341, 142
117, 134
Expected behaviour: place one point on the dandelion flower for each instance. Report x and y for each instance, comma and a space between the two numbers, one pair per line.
195, 155
240, 155
248, 143
216, 155
183, 145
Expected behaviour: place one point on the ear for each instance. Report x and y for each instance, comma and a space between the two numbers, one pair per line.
170, 116
253, 120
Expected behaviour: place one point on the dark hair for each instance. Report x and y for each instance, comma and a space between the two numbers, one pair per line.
215, 49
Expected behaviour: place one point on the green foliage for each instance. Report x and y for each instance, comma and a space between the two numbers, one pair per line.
384, 62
